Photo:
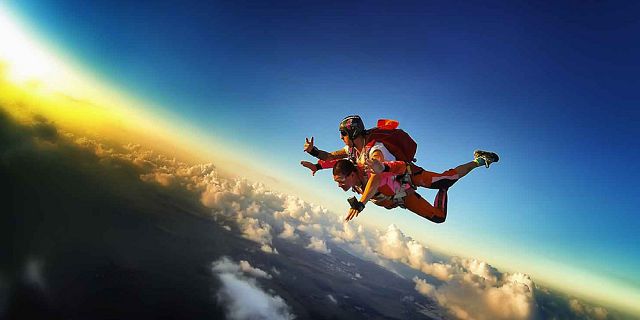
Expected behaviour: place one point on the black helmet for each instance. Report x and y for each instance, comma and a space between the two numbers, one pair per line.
352, 126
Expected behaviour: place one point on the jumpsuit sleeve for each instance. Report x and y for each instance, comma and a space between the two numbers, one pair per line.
396, 167
326, 164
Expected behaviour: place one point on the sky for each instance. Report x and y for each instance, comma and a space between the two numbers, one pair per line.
551, 88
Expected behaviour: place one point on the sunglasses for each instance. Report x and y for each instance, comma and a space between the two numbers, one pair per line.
343, 133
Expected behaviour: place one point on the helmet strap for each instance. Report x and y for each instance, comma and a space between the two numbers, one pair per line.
353, 141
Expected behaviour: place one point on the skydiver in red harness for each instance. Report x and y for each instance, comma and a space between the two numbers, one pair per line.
373, 158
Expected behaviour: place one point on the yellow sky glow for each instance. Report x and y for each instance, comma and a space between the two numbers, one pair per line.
77, 100
68, 96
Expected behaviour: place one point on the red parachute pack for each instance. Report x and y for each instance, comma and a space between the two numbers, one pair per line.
398, 142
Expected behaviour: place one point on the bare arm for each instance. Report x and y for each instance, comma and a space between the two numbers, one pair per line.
374, 180
371, 189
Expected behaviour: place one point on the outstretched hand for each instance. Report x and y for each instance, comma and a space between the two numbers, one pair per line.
374, 165
308, 144
352, 214
310, 166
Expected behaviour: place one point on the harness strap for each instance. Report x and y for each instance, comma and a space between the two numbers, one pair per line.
406, 177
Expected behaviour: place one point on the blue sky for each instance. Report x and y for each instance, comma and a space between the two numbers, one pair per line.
553, 89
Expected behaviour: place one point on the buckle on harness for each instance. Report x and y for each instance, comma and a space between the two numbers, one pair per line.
406, 178
398, 198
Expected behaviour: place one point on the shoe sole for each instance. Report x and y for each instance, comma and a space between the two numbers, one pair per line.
494, 156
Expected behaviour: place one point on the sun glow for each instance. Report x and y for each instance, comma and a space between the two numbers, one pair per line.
37, 79
65, 94
27, 62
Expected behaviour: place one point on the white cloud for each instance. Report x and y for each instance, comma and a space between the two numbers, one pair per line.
318, 245
441, 271
582, 310
513, 299
288, 232
98, 148
245, 300
268, 249
295, 208
255, 229
164, 179
424, 288
475, 288
345, 232
256, 272
486, 272
218, 198
242, 297
316, 229
417, 254
225, 265
392, 244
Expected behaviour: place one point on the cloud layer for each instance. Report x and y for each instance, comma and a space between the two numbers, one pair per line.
465, 288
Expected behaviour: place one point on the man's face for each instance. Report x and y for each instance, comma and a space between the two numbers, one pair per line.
345, 138
345, 182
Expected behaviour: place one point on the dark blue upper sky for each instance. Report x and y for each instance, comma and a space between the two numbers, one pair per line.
554, 88
533, 66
